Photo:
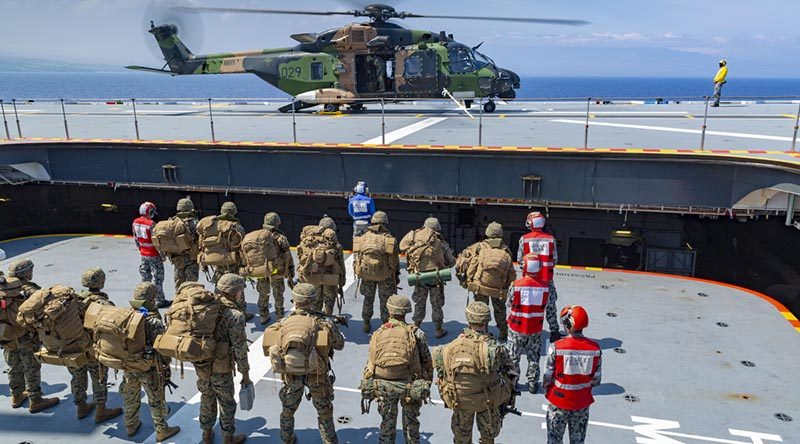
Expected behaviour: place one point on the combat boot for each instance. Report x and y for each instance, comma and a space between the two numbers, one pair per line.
37, 405
367, 326
167, 433
208, 436
264, 318
233, 439
18, 400
440, 332
103, 414
84, 408
132, 430
533, 387
248, 316
418, 323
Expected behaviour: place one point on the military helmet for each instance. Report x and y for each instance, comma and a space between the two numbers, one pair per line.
230, 283
380, 217
20, 267
304, 294
478, 313
185, 204
574, 318
145, 291
433, 224
229, 208
272, 219
148, 209
327, 222
94, 278
398, 305
494, 230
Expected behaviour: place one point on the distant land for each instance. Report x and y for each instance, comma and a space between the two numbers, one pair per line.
24, 64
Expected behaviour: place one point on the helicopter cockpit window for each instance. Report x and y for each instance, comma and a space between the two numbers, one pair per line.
316, 71
412, 67
481, 60
460, 60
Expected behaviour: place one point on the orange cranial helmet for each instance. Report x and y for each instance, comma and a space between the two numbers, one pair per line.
534, 220
574, 318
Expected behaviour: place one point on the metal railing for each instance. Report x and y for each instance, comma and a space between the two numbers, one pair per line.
788, 105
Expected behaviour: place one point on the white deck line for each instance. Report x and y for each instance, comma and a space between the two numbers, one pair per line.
405, 131
677, 130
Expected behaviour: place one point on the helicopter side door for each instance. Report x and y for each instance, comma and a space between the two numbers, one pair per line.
416, 71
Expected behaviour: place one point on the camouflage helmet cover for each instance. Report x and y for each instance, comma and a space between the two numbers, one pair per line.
398, 305
230, 283
380, 217
327, 222
304, 294
185, 204
93, 278
20, 268
478, 313
272, 219
433, 224
229, 208
145, 291
494, 230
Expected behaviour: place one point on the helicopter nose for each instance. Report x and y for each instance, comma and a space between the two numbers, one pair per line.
510, 75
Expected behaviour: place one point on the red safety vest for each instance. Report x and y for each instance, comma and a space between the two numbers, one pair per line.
527, 305
577, 360
544, 245
142, 231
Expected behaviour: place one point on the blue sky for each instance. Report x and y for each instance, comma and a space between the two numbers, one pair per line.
669, 38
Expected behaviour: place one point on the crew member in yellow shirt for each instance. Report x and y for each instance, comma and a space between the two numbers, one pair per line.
719, 80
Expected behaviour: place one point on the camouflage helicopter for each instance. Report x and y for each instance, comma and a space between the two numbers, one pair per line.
357, 63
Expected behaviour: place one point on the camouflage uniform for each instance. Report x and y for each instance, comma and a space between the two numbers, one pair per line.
551, 312
384, 288
151, 269
531, 346
217, 387
276, 283
185, 264
24, 370
326, 294
228, 213
93, 369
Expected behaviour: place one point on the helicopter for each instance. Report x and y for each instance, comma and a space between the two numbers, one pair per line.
357, 63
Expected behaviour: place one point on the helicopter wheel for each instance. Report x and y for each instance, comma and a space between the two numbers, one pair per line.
331, 107
489, 107
356, 107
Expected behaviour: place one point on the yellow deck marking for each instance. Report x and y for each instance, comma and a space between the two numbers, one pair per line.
689, 116
789, 316
791, 116
501, 116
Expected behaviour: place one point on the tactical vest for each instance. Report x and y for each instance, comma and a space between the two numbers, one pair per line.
174, 236
259, 250
425, 251
119, 337
219, 241
544, 245
488, 270
393, 354
298, 345
191, 321
468, 382
527, 305
577, 360
373, 251
317, 264
11, 298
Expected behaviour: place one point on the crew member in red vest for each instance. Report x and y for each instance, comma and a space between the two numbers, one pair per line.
543, 244
152, 266
528, 297
572, 369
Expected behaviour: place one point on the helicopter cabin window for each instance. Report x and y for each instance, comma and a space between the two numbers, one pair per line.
412, 67
316, 71
460, 60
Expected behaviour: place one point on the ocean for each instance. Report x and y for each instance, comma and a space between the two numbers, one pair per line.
123, 85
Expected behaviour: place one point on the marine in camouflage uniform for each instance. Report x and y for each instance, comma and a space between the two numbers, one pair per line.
489, 421
409, 393
215, 378
435, 292
326, 294
494, 239
185, 264
275, 283
385, 288
320, 388
152, 380
24, 370
228, 212
94, 279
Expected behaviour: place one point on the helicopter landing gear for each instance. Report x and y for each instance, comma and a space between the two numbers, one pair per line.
331, 107
468, 104
489, 107
356, 107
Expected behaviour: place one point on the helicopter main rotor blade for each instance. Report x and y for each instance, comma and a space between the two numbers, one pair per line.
260, 11
542, 21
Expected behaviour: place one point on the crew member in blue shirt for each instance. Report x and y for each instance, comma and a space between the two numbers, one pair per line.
361, 208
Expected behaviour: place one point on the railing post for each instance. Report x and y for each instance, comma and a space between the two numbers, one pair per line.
794, 137
5, 122
480, 122
135, 119
294, 123
64, 115
16, 116
703, 132
211, 118
586, 125
790, 210
383, 122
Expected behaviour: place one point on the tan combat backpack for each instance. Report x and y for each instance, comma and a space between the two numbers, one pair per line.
393, 354
424, 251
259, 251
173, 236
317, 256
219, 241
298, 345
373, 251
191, 321
11, 298
119, 337
487, 271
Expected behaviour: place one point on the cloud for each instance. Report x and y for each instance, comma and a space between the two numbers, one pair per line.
720, 40
672, 36
621, 37
700, 50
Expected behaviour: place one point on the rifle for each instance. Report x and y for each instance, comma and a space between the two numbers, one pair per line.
341, 320
339, 299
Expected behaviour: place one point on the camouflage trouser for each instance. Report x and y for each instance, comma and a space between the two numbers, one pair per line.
80, 382
186, 269
24, 371
321, 392
219, 270
131, 391
278, 286
420, 298
531, 346
326, 298
551, 311
557, 421
499, 308
152, 270
489, 425
390, 396
217, 389
384, 289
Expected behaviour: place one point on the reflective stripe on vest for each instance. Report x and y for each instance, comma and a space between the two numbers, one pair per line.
542, 244
576, 363
527, 305
142, 230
